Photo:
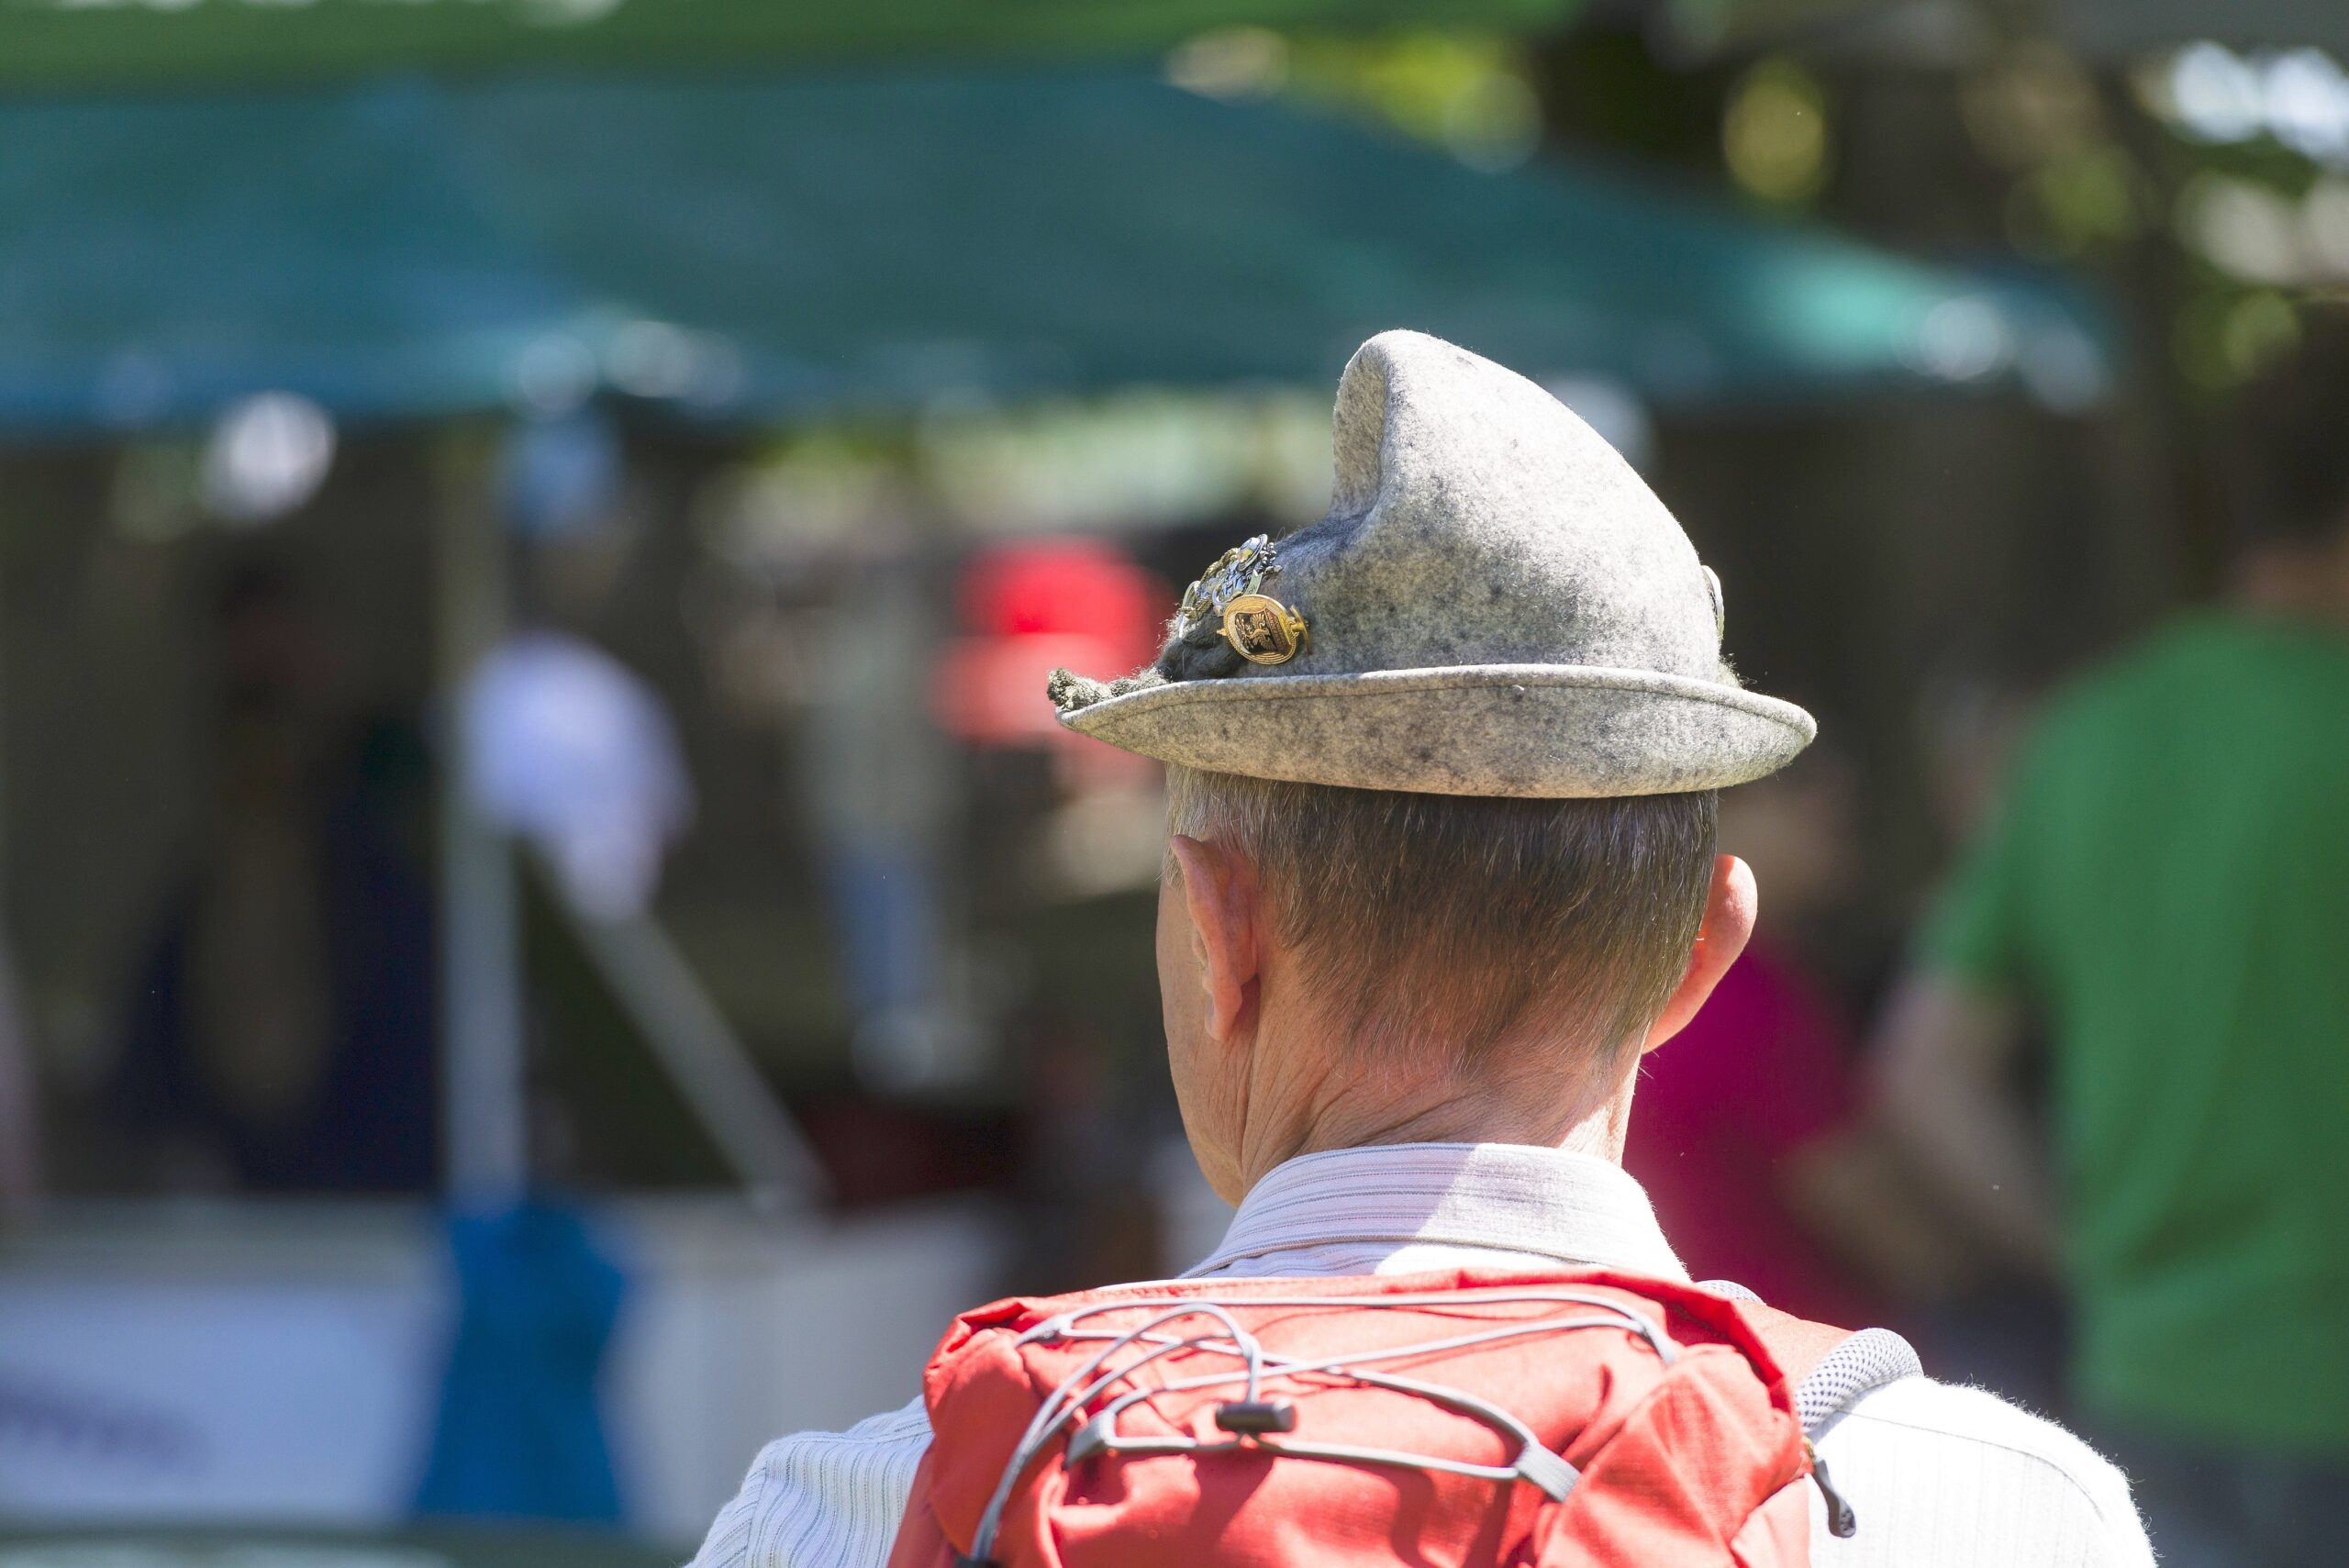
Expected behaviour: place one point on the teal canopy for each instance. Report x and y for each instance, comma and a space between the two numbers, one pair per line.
72, 45
160, 258
752, 247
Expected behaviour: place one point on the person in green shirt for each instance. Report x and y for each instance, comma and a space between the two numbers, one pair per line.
2165, 889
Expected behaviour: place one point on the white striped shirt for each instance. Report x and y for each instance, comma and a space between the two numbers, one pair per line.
1942, 1476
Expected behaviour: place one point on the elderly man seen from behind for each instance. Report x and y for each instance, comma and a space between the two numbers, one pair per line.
1442, 868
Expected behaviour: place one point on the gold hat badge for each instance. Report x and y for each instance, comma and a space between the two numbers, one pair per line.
1229, 594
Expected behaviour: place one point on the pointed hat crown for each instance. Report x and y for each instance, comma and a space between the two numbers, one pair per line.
1495, 603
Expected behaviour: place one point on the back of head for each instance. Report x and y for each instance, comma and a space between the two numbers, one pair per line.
1468, 727
1451, 930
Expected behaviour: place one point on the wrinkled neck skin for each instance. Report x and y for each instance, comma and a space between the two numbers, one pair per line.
1299, 1089
1266, 1071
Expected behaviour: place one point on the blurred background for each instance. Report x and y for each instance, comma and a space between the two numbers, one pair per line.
546, 933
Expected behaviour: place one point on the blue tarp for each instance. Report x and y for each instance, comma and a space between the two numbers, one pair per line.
520, 1431
755, 247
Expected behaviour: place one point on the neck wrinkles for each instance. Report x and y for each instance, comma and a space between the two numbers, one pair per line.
1341, 1103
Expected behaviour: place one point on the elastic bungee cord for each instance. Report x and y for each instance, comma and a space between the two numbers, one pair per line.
1252, 1420
1062, 1399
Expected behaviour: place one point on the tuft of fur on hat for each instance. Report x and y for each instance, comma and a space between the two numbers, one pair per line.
1497, 604
1071, 691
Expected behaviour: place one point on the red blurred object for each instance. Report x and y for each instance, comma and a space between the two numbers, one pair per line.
1069, 586
1685, 1451
1028, 607
1763, 1075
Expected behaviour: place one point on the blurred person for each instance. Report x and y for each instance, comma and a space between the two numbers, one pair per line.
1755, 1141
2162, 888
1442, 868
570, 749
280, 1037
877, 776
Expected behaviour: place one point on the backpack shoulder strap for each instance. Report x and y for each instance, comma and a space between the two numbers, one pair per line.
1861, 1363
1831, 1368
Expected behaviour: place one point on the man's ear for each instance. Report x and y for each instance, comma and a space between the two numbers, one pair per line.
1729, 911
1220, 894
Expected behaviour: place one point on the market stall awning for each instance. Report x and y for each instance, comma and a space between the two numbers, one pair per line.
754, 248
159, 259
76, 45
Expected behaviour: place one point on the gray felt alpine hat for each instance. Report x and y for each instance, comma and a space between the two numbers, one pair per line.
1496, 604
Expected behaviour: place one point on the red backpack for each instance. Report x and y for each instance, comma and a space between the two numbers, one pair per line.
1465, 1418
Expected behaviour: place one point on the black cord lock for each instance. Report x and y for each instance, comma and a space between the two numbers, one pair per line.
1254, 1417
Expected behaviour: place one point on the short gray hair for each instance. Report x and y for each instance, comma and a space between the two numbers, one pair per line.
1465, 921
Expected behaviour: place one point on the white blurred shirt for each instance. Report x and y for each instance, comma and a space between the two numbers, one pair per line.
1940, 1476
568, 746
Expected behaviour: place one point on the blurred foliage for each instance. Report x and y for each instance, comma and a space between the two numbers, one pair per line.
2229, 180
1467, 91
1608, 86
2209, 189
1774, 132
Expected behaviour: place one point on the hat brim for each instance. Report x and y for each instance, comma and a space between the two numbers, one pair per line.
1531, 731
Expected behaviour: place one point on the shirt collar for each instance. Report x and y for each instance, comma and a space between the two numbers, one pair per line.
1510, 1197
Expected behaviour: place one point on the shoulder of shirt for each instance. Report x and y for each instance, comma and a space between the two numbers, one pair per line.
1998, 1432
828, 1497
2134, 682
836, 1497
